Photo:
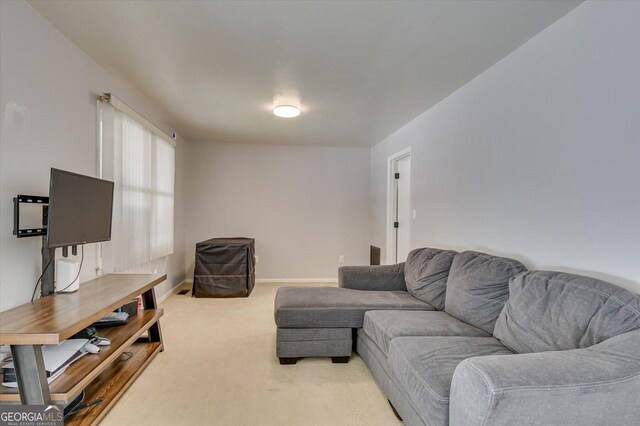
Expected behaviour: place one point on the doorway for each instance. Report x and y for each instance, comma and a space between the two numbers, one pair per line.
399, 206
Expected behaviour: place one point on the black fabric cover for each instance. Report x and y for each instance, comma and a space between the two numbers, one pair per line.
225, 267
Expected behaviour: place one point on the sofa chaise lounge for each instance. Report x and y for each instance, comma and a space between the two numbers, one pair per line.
473, 339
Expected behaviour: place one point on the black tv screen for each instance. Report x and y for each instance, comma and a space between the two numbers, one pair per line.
79, 209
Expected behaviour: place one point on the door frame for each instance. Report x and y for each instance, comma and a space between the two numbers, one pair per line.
391, 161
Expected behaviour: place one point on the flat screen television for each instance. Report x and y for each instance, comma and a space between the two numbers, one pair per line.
80, 209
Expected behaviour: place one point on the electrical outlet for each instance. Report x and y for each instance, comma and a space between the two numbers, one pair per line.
341, 258
256, 257
414, 213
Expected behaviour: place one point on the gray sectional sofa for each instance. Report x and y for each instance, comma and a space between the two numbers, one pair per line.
473, 339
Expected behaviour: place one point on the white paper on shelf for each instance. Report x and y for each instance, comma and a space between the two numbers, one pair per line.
57, 358
49, 380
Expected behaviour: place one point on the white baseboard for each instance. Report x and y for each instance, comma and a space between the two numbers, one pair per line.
287, 280
173, 291
296, 280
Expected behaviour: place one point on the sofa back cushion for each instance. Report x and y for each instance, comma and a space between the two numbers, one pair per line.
425, 274
552, 311
478, 287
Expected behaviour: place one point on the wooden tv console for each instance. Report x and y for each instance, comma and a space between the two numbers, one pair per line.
106, 375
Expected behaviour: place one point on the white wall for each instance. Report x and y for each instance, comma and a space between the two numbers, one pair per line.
538, 157
305, 206
48, 90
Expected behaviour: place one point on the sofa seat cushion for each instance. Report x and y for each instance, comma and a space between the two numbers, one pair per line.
423, 367
327, 307
478, 287
425, 274
384, 326
555, 311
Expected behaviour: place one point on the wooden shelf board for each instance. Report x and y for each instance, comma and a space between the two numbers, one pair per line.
111, 384
52, 319
86, 369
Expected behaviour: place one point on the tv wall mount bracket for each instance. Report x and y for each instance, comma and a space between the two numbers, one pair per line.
47, 279
29, 199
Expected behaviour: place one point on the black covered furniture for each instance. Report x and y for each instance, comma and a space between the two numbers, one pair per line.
225, 267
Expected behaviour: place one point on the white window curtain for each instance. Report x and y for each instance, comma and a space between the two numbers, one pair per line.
142, 166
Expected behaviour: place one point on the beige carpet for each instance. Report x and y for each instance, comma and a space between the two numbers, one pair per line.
219, 368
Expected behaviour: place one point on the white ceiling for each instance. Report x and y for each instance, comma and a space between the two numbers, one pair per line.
359, 70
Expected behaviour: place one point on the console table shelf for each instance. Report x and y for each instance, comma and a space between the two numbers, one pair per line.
53, 319
106, 375
111, 384
66, 387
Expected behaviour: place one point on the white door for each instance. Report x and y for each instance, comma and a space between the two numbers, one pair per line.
402, 179
399, 206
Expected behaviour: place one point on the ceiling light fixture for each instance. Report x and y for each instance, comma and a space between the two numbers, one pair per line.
286, 111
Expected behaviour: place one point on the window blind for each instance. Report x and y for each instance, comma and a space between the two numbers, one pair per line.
142, 165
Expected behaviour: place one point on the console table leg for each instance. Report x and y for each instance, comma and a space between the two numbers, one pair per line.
31, 374
149, 302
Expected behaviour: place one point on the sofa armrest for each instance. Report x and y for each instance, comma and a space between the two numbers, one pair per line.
385, 277
596, 385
